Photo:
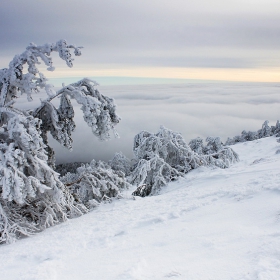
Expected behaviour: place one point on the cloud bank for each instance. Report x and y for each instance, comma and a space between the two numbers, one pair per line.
194, 109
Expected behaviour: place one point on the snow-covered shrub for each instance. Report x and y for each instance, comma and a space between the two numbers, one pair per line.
168, 145
265, 131
70, 167
215, 153
275, 130
223, 158
94, 183
197, 145
248, 136
154, 174
165, 156
229, 141
121, 163
214, 144
161, 158
32, 197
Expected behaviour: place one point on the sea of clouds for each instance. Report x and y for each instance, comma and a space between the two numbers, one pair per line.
193, 109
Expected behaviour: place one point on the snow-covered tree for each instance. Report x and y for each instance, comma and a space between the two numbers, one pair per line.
165, 156
275, 130
265, 131
94, 183
32, 196
121, 163
214, 145
248, 136
161, 158
215, 153
197, 145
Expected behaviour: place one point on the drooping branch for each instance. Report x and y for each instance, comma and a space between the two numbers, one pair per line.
14, 80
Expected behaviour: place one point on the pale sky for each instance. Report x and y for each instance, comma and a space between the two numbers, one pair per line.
233, 40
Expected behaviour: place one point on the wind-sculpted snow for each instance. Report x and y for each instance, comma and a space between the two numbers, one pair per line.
211, 224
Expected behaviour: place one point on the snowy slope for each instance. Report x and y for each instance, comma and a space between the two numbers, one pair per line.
213, 224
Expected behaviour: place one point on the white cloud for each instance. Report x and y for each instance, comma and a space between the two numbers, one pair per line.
192, 109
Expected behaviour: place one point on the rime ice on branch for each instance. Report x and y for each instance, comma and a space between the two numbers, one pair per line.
32, 196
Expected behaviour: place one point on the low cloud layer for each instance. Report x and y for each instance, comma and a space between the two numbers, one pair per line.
204, 109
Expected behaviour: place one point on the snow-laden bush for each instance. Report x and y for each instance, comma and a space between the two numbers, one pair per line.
197, 145
165, 156
275, 130
214, 145
70, 167
265, 131
94, 183
32, 197
121, 163
248, 136
222, 158
215, 152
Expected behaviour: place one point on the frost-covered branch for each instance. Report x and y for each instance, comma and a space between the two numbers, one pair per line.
13, 80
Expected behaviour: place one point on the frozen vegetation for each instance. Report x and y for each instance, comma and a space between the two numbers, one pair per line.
212, 223
32, 195
210, 209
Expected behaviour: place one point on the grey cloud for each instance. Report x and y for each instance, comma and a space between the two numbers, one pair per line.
146, 33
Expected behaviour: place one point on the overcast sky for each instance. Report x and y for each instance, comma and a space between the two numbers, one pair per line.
232, 40
202, 39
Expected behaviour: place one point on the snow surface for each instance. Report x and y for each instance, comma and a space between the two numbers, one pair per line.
212, 224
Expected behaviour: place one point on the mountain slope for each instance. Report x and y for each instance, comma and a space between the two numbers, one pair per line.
213, 224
